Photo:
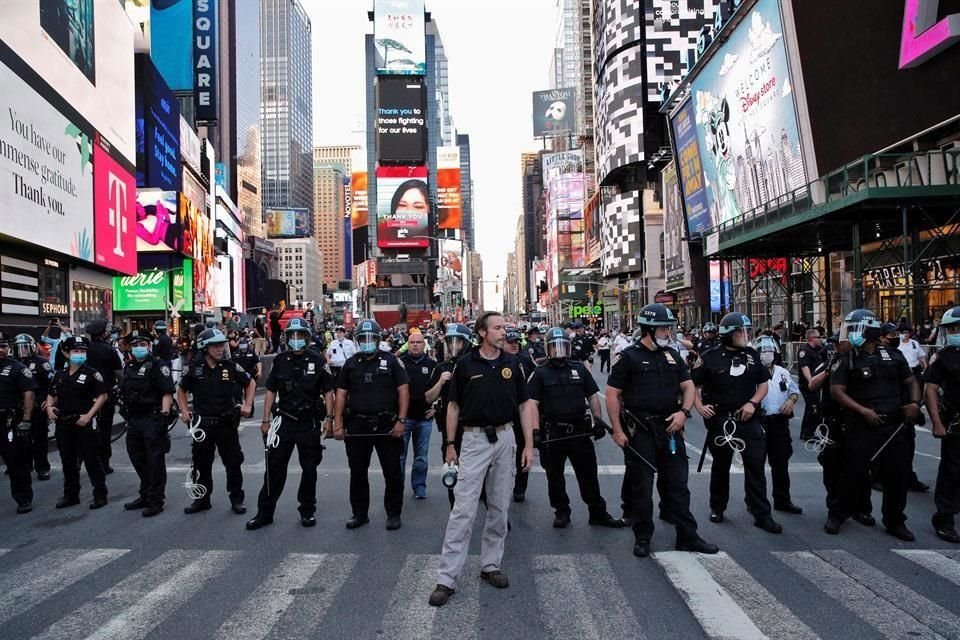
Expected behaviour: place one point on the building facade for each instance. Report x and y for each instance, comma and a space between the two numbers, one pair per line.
328, 207
466, 191
300, 266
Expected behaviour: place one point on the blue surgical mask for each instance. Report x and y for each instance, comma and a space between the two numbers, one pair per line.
856, 339
297, 343
140, 352
77, 359
367, 348
953, 340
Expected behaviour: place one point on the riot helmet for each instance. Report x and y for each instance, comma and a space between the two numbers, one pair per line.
210, 338
368, 336
859, 327
559, 345
298, 334
735, 330
653, 316
948, 333
456, 339
24, 346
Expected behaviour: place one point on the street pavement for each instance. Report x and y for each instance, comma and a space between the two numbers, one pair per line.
111, 574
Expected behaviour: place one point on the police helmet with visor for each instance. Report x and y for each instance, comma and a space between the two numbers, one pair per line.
298, 334
368, 336
653, 316
948, 334
734, 324
456, 339
558, 344
859, 327
24, 346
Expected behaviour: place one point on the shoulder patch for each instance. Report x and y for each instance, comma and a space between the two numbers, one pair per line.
802, 354
47, 367
26, 372
698, 363
834, 366
240, 369
97, 376
507, 373
165, 370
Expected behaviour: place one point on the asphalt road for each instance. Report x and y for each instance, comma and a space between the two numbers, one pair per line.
77, 573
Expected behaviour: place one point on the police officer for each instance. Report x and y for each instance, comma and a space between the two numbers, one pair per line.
456, 341
578, 343
339, 351
298, 402
511, 345
373, 400
731, 381
76, 395
534, 346
778, 404
813, 375
105, 359
17, 399
563, 389
242, 352
25, 350
708, 338
162, 345
146, 397
881, 398
649, 397
943, 403
215, 381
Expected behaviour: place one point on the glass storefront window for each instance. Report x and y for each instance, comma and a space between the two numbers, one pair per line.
91, 303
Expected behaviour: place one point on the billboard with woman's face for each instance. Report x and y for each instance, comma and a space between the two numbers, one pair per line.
403, 208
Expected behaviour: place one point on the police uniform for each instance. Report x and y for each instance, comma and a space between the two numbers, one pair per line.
562, 390
214, 391
42, 372
944, 371
15, 449
75, 395
142, 388
535, 350
247, 359
705, 344
440, 412
776, 429
877, 381
729, 378
104, 358
520, 482
418, 427
372, 410
650, 384
816, 361
163, 348
300, 382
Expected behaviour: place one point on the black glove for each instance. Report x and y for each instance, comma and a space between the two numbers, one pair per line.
23, 429
600, 428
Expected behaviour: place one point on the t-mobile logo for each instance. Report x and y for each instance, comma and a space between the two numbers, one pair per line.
117, 189
923, 36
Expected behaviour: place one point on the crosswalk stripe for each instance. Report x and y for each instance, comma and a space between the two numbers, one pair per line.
858, 587
286, 583
409, 616
710, 603
580, 598
944, 564
768, 613
134, 606
303, 619
35, 581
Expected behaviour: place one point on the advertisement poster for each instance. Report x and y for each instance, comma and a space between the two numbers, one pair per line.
183, 287
715, 305
158, 130
114, 212
145, 291
690, 169
398, 37
676, 255
564, 179
403, 208
401, 119
358, 189
288, 223
592, 228
553, 112
450, 276
158, 221
171, 42
46, 172
70, 26
449, 204
746, 119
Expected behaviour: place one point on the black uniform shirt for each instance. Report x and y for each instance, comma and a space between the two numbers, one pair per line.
811, 357
15, 380
372, 383
246, 359
488, 391
874, 380
562, 390
650, 380
729, 378
443, 398
76, 393
419, 372
579, 347
163, 347
144, 384
704, 345
527, 365
105, 360
42, 372
536, 350
300, 381
944, 371
214, 389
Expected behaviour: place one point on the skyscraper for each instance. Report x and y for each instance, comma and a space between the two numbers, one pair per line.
247, 79
328, 208
286, 111
466, 191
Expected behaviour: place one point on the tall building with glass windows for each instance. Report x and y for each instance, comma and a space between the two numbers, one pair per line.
286, 108
247, 78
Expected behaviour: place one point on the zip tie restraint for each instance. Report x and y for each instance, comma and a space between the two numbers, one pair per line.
195, 490
198, 434
273, 437
820, 440
728, 437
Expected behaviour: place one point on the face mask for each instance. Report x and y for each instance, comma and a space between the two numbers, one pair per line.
242, 346
662, 342
77, 359
856, 339
766, 359
953, 340
140, 352
114, 336
297, 344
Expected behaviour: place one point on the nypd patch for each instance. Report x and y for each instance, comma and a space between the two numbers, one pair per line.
165, 370
834, 366
98, 377
27, 373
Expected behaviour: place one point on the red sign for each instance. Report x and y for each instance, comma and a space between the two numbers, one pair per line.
348, 320
114, 213
403, 208
664, 298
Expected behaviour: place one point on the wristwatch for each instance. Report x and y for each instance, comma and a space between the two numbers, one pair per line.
686, 412
756, 405
448, 443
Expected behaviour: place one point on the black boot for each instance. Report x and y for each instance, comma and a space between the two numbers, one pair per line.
258, 521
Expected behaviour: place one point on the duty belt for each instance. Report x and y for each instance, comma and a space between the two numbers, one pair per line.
497, 427
364, 425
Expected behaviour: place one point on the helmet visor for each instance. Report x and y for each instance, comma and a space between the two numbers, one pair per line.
558, 348
24, 350
741, 336
455, 345
368, 343
854, 330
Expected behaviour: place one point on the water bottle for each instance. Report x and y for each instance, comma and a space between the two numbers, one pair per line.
673, 443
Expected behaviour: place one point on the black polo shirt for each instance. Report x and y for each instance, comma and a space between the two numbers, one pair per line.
214, 388
105, 360
76, 392
562, 390
488, 391
650, 380
874, 380
42, 373
812, 358
729, 377
15, 380
419, 372
944, 371
372, 383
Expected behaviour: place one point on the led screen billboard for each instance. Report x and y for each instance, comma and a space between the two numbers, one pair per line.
288, 223
746, 119
403, 208
690, 170
553, 112
676, 255
399, 37
171, 41
401, 119
564, 180
450, 269
145, 291
114, 211
358, 191
158, 130
449, 202
159, 227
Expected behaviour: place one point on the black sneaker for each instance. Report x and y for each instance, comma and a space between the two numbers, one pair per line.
495, 578
919, 487
393, 523
259, 521
24, 507
716, 517
308, 521
561, 521
788, 507
65, 502
642, 548
865, 519
697, 545
768, 524
357, 522
139, 503
832, 526
605, 520
440, 595
238, 508
518, 497
901, 532
153, 510
944, 530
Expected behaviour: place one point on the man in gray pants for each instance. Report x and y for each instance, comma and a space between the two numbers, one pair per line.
486, 388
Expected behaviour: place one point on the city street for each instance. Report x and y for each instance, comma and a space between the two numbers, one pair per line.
77, 573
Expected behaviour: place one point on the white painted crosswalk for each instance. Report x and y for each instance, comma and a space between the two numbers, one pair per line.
576, 596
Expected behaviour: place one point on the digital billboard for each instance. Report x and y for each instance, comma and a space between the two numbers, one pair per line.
145, 291
171, 41
450, 269
676, 255
205, 63
358, 191
114, 212
70, 26
158, 221
746, 119
564, 180
158, 130
449, 202
288, 223
553, 112
401, 119
403, 208
690, 170
399, 37
46, 172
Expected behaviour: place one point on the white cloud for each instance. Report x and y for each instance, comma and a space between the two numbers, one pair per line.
762, 37
729, 60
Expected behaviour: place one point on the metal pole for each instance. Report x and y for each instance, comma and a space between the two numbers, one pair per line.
828, 288
857, 267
